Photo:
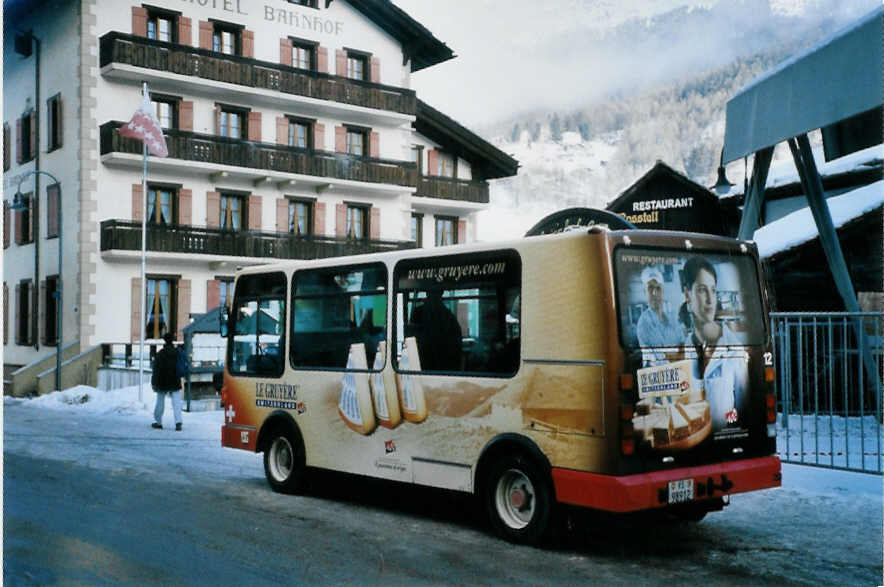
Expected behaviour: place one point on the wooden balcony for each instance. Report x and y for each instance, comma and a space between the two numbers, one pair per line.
447, 188
183, 60
190, 146
125, 235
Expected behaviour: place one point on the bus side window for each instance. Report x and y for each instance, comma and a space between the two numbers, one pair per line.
257, 342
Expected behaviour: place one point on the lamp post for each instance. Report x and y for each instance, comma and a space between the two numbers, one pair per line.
18, 203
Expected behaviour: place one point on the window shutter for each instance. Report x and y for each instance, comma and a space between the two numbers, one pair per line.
213, 209
135, 323
17, 217
6, 224
461, 236
248, 43
139, 21
255, 212
59, 123
31, 219
52, 210
254, 126
7, 158
213, 294
33, 137
341, 220
340, 139
19, 155
432, 162
375, 70
185, 115
42, 313
5, 313
282, 215
340, 63
285, 51
137, 202
18, 316
374, 144
32, 319
322, 59
206, 32
374, 224
183, 300
217, 120
282, 130
185, 36
319, 218
185, 207
318, 136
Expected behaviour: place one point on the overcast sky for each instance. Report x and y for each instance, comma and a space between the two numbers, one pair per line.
519, 55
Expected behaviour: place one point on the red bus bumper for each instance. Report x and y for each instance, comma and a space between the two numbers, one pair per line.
629, 493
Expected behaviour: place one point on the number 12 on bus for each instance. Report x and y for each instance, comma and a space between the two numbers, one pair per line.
618, 370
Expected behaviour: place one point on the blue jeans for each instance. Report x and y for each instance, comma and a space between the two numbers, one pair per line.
161, 404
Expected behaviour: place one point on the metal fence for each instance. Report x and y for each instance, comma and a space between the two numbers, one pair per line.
829, 380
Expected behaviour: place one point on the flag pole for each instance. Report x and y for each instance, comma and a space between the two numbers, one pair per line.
143, 260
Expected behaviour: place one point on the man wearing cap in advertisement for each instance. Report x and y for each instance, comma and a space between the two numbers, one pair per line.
656, 327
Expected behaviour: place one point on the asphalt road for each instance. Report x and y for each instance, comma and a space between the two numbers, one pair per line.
145, 521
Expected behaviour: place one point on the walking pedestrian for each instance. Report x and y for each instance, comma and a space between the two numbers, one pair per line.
165, 379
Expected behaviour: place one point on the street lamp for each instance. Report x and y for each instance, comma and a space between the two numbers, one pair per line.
19, 203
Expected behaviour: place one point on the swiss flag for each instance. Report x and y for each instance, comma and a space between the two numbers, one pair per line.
145, 127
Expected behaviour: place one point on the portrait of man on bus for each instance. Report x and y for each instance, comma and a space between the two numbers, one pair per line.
658, 325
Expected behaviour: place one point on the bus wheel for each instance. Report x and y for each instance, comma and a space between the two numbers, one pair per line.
518, 500
284, 461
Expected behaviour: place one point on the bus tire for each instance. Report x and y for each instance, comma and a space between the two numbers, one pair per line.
285, 460
518, 499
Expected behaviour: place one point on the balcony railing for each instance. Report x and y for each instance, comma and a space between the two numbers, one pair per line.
453, 189
211, 65
190, 146
125, 235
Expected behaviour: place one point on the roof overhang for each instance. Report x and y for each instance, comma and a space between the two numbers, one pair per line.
837, 79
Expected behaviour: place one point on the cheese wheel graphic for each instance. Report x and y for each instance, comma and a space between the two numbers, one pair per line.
411, 393
354, 404
383, 391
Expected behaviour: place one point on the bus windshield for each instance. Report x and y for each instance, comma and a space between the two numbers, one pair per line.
671, 298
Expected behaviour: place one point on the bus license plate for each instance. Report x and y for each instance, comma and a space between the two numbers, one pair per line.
681, 490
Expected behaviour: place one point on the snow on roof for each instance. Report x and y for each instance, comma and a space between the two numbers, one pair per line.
784, 172
799, 226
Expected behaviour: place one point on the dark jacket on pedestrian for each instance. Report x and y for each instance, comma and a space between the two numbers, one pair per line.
164, 377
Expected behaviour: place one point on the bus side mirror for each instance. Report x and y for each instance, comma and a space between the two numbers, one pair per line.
223, 318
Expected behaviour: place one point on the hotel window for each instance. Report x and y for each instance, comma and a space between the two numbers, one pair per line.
225, 292
446, 231
231, 123
166, 108
232, 212
357, 65
160, 205
160, 307
27, 137
357, 221
303, 54
53, 122
161, 25
50, 291
299, 133
300, 217
417, 155
52, 202
356, 141
417, 228
446, 165
24, 222
24, 296
226, 38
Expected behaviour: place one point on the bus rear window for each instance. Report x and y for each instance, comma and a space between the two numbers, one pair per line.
673, 299
259, 322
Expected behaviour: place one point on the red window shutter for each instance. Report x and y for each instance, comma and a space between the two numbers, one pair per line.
135, 308
185, 35
432, 162
19, 155
254, 212
319, 218
59, 123
374, 224
213, 294
248, 43
137, 202
185, 115
17, 217
6, 224
213, 209
318, 136
340, 63
52, 210
282, 130
375, 70
205, 34
185, 207
254, 126
139, 21
461, 236
341, 220
285, 51
282, 215
374, 144
340, 139
183, 317
322, 59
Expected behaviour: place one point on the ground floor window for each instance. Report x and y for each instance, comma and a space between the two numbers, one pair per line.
159, 307
50, 303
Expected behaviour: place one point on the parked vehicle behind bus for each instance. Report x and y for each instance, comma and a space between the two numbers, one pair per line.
622, 370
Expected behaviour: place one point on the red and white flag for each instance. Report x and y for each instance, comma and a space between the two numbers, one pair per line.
145, 127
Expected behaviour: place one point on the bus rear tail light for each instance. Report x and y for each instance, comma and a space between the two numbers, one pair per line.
770, 402
769, 375
626, 381
627, 430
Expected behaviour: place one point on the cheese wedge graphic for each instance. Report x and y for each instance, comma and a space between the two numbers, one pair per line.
383, 391
411, 394
354, 403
